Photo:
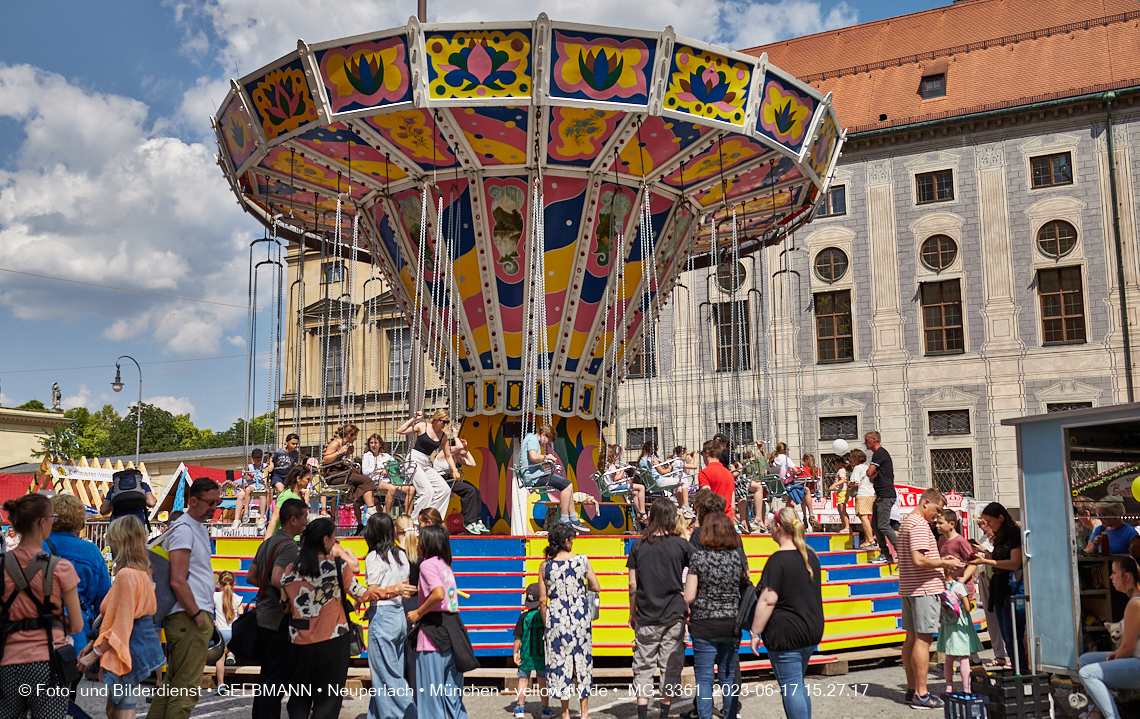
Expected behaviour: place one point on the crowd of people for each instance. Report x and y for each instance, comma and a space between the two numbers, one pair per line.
689, 582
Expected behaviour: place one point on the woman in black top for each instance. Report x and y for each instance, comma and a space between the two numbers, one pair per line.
712, 591
1006, 581
789, 613
432, 489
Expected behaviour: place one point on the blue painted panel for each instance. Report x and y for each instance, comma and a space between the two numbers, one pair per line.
871, 571
835, 560
819, 542
893, 604
886, 586
1048, 552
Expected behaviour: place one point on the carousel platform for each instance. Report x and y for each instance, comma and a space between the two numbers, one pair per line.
862, 608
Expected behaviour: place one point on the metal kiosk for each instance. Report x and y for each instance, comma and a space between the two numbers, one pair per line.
1046, 446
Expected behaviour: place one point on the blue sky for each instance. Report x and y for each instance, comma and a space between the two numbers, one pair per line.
107, 174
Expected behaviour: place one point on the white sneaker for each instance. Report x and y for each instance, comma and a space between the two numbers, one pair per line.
483, 527
472, 528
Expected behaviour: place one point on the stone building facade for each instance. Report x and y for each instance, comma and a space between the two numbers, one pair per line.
973, 241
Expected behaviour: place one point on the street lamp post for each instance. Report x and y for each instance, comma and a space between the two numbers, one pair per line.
117, 385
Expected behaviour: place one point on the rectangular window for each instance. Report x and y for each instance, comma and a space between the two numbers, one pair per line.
732, 341
834, 202
1062, 305
838, 428
933, 86
332, 272
834, 339
399, 359
1049, 170
644, 365
953, 470
637, 436
934, 186
827, 464
332, 373
954, 421
1066, 406
738, 433
942, 317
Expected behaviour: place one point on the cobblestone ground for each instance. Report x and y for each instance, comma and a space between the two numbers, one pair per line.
865, 693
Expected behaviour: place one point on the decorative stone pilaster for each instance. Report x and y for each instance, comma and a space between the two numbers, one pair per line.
1000, 311
887, 321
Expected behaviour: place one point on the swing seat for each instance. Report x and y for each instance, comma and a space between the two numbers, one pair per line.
548, 468
400, 471
774, 486
610, 488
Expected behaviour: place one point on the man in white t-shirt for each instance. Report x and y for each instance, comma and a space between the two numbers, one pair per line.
190, 624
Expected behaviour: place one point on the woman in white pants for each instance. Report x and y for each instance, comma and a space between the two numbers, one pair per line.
431, 488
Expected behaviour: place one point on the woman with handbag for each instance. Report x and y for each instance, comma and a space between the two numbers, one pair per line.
386, 570
26, 649
317, 586
712, 591
443, 648
127, 647
563, 580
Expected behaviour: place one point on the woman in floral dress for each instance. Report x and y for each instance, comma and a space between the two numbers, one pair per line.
562, 582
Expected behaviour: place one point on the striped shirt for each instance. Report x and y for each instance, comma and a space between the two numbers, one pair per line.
915, 535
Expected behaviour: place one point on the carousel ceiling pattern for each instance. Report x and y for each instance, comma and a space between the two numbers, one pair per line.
604, 118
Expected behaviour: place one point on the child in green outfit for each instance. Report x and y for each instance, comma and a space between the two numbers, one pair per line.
957, 638
530, 654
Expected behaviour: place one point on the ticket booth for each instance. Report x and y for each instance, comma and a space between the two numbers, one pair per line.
1049, 446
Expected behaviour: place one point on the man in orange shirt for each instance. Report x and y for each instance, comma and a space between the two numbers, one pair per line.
716, 476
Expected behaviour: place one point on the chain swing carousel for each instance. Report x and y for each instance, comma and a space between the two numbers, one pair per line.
531, 193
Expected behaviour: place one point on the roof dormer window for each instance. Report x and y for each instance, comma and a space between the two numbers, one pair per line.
933, 86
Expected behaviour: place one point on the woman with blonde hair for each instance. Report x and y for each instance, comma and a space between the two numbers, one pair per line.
789, 612
127, 646
227, 606
432, 489
337, 468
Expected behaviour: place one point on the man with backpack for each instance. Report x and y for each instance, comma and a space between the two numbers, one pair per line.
265, 571
189, 623
129, 495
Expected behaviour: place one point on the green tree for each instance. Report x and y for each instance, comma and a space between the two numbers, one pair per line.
93, 429
33, 404
58, 443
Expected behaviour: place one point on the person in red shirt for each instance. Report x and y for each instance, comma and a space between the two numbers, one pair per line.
716, 476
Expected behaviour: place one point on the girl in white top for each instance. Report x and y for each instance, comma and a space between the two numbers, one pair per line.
374, 464
227, 606
386, 571
864, 495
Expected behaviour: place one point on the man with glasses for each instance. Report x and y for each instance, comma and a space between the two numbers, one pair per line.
190, 624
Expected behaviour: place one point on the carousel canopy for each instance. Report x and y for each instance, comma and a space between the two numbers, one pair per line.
645, 147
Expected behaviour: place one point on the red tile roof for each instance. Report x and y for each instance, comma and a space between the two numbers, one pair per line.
995, 53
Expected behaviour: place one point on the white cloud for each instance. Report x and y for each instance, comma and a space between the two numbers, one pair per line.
95, 195
174, 405
80, 399
748, 24
236, 340
246, 34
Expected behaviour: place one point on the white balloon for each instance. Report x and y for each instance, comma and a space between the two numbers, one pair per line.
839, 446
